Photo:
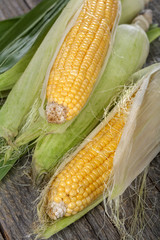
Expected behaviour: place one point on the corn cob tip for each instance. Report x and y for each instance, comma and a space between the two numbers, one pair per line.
56, 210
56, 113
144, 20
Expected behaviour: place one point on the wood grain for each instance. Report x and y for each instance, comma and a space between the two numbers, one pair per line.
1, 238
9, 8
18, 196
32, 3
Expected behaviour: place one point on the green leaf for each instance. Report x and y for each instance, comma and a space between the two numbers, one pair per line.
11, 76
153, 34
22, 36
6, 25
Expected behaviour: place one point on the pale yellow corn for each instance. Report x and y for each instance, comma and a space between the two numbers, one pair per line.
79, 60
83, 178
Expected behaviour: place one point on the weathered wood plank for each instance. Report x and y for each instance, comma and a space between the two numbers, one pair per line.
3, 233
1, 237
10, 8
154, 55
154, 173
152, 212
32, 3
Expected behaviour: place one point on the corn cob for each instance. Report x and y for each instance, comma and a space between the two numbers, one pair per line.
136, 115
80, 60
83, 178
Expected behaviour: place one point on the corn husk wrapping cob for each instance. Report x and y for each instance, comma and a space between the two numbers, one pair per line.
10, 77
129, 54
138, 145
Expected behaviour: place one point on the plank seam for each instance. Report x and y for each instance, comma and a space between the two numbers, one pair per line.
27, 4
94, 231
3, 233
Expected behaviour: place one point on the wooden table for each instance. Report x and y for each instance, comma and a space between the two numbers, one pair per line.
17, 194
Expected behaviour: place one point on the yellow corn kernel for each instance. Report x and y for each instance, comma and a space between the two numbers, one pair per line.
93, 173
79, 60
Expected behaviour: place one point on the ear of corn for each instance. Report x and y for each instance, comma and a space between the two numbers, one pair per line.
82, 179
128, 160
80, 59
129, 54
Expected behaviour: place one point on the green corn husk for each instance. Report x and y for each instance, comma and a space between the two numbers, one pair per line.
139, 144
153, 33
131, 8
45, 14
10, 77
22, 36
6, 25
129, 54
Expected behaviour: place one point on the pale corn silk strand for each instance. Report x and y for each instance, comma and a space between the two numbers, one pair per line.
83, 178
80, 60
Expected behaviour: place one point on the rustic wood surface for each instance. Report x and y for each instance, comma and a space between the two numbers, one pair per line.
17, 194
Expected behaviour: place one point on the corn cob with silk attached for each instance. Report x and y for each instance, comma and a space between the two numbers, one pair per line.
83, 178
80, 59
109, 159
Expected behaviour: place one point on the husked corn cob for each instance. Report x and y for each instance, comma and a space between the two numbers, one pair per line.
83, 178
80, 60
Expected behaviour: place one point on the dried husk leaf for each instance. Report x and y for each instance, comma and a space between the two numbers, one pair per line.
140, 141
